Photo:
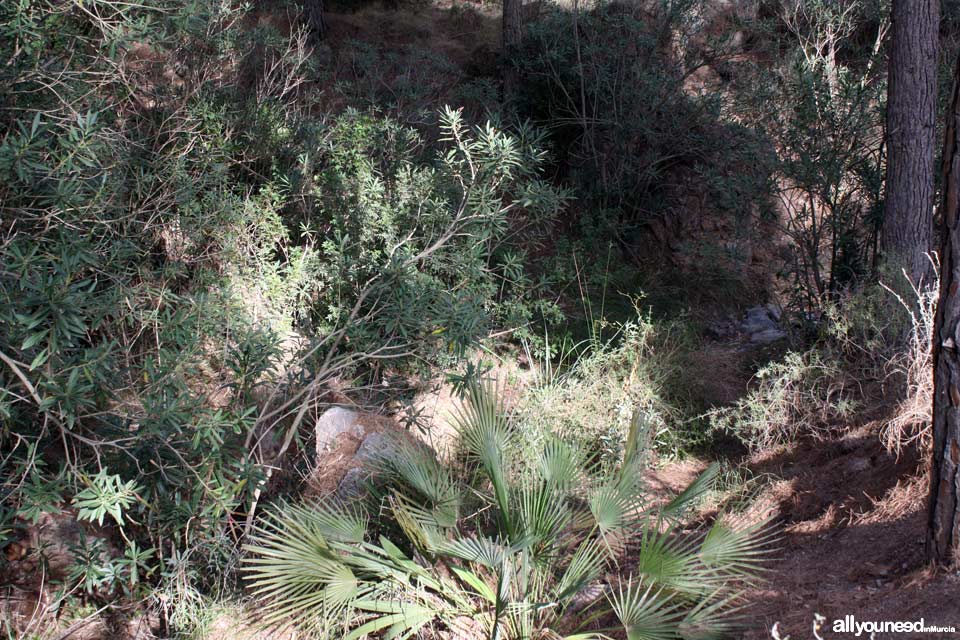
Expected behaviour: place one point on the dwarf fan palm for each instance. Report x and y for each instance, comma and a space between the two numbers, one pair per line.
492, 546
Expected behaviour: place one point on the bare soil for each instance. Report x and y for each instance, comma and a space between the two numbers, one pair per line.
853, 519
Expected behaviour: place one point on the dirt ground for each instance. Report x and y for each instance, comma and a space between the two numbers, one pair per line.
852, 519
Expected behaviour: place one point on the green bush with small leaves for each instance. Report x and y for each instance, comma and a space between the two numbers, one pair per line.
188, 250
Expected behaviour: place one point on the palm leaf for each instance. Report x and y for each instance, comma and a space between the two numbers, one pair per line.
418, 469
714, 617
409, 617
740, 552
291, 591
613, 509
294, 568
646, 613
488, 437
694, 491
584, 568
476, 582
672, 560
542, 515
483, 551
420, 526
560, 465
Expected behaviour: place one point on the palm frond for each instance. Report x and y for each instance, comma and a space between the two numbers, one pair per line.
613, 507
671, 560
294, 562
560, 465
488, 436
542, 515
422, 527
418, 469
299, 585
714, 617
646, 612
483, 414
584, 568
483, 551
475, 582
694, 491
408, 620
322, 523
740, 552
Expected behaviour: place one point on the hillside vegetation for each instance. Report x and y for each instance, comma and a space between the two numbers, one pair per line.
340, 335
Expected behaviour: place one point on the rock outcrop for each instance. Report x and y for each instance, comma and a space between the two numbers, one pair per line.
351, 446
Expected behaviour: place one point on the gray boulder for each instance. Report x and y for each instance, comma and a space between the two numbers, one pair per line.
335, 422
758, 319
351, 486
375, 452
762, 324
376, 448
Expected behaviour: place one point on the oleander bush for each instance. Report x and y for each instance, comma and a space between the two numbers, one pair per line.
189, 256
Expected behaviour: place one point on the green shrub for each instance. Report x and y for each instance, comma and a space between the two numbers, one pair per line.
804, 393
637, 143
188, 251
593, 393
870, 348
823, 106
429, 243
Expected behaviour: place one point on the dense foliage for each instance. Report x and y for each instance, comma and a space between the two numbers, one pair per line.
215, 225
179, 231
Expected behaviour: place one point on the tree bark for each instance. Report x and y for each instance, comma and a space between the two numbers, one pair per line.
911, 130
512, 37
313, 12
943, 539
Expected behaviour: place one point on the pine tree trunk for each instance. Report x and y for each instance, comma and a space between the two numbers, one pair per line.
943, 540
313, 12
911, 130
512, 37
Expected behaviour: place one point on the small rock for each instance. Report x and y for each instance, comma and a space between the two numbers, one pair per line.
376, 447
333, 423
351, 486
767, 336
721, 330
352, 447
759, 319
762, 324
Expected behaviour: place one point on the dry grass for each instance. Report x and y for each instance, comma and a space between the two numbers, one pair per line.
912, 420
901, 500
